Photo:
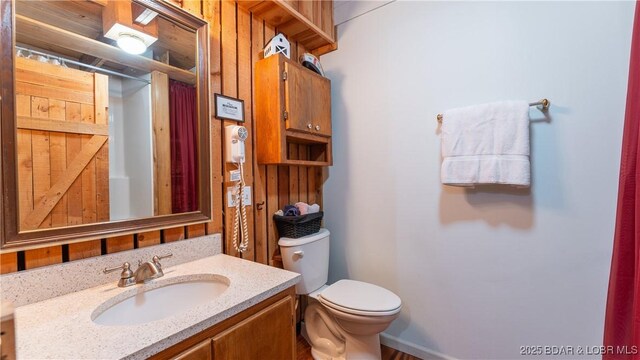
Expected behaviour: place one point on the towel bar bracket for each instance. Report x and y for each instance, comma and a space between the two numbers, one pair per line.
545, 103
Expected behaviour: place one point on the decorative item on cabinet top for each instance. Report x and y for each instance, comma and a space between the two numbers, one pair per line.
309, 23
278, 44
293, 107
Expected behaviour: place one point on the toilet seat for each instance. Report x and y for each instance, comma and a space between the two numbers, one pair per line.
360, 298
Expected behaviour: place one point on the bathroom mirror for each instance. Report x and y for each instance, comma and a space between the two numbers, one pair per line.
104, 119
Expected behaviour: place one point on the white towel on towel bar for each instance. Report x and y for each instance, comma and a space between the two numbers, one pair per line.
486, 144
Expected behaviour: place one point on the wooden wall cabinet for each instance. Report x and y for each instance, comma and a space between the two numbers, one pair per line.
264, 331
293, 106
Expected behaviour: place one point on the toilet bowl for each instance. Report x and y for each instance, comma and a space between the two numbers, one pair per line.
342, 320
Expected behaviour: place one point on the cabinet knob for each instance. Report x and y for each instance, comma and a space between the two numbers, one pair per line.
318, 127
309, 126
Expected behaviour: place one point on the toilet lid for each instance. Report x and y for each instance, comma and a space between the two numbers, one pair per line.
362, 296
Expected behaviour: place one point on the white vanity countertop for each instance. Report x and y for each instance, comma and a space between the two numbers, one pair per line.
62, 328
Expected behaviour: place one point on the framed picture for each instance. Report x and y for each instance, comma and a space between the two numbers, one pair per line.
229, 108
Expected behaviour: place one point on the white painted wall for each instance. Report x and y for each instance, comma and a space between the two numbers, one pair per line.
480, 272
138, 144
130, 149
345, 10
118, 180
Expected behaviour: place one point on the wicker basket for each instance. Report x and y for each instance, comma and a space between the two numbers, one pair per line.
298, 226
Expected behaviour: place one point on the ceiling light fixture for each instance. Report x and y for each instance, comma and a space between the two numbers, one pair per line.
131, 43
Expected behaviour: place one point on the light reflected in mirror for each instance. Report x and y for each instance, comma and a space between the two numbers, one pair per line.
103, 135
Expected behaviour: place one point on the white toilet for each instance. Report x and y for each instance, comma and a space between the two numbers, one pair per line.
346, 320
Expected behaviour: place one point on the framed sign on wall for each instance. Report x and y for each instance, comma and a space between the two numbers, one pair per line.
229, 108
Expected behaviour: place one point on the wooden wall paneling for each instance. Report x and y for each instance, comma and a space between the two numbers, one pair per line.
293, 148
259, 171
305, 8
211, 12
161, 143
119, 243
272, 206
101, 103
42, 257
149, 238
89, 172
8, 263
303, 182
294, 186
43, 208
229, 88
245, 76
74, 146
58, 144
236, 41
95, 177
193, 6
174, 234
326, 21
85, 249
41, 157
25, 159
273, 186
322, 173
303, 150
317, 13
311, 185
103, 212
283, 186
30, 71
47, 118
60, 125
53, 92
196, 230
294, 3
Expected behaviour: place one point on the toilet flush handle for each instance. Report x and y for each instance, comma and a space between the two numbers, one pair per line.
300, 253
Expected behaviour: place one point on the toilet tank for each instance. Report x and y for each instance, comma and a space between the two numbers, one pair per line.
308, 256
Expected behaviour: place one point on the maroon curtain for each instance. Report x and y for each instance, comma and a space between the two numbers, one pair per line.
184, 151
622, 323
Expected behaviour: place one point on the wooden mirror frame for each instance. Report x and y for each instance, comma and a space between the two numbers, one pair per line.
12, 238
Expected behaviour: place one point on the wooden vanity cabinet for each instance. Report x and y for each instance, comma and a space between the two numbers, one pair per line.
264, 331
293, 107
202, 351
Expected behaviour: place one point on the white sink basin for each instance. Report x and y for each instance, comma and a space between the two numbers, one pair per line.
160, 302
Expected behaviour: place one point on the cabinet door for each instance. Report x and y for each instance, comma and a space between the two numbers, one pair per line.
201, 351
269, 334
307, 101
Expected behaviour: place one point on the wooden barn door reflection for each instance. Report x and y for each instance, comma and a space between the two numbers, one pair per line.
63, 152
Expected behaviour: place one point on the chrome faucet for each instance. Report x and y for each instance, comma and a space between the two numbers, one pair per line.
146, 271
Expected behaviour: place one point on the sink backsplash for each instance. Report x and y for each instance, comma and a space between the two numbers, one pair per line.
43, 283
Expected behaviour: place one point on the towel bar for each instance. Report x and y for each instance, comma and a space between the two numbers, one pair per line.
544, 102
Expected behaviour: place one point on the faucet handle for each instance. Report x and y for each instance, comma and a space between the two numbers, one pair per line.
156, 259
126, 269
126, 276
